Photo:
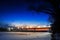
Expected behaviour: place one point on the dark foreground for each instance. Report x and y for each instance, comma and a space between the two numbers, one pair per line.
25, 36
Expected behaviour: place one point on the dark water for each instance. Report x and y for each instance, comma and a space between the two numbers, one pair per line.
25, 36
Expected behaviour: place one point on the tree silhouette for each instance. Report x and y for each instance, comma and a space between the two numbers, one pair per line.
51, 7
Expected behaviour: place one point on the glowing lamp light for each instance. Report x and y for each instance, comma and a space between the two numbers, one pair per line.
38, 26
27, 26
31, 27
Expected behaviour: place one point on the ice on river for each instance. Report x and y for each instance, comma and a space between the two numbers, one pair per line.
25, 36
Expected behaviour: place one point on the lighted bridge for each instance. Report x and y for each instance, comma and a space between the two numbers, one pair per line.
37, 29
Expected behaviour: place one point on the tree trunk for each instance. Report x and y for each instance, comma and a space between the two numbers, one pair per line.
56, 26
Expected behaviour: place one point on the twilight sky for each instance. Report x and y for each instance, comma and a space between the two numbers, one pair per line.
25, 18
16, 12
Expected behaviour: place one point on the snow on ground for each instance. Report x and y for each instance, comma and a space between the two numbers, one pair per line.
25, 36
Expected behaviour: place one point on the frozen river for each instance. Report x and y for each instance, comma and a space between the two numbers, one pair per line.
25, 36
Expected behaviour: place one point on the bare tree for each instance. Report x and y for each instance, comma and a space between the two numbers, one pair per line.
51, 7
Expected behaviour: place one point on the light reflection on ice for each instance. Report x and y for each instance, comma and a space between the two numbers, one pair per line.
24, 36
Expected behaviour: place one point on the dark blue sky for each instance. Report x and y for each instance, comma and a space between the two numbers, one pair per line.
28, 17
17, 12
